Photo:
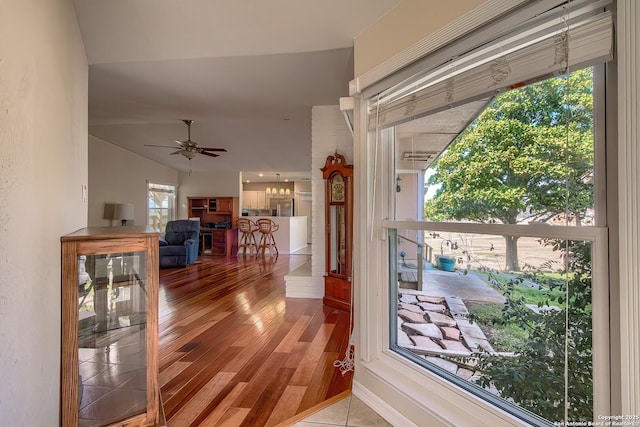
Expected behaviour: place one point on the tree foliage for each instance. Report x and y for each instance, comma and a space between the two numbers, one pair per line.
534, 379
529, 155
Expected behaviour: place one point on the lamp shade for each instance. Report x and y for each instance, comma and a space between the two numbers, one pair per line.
123, 212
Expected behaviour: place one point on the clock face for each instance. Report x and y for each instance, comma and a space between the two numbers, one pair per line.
337, 189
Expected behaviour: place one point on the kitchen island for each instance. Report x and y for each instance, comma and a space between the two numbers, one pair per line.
292, 234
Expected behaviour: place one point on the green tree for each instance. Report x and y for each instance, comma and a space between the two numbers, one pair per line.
528, 156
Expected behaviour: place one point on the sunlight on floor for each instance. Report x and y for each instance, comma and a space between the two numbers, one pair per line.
304, 251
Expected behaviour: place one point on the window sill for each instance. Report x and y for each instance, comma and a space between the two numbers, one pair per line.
426, 399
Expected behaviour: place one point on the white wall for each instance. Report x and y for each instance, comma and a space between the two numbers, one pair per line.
43, 166
329, 132
117, 175
408, 202
406, 24
303, 203
215, 183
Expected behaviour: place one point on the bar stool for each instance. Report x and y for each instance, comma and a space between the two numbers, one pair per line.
267, 227
246, 228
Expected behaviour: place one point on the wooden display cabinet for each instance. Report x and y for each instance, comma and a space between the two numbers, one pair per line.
225, 204
211, 211
109, 369
198, 204
338, 178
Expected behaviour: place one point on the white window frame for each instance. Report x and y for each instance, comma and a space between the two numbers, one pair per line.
172, 209
600, 283
382, 376
625, 309
376, 355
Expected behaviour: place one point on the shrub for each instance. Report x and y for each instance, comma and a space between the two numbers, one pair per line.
535, 378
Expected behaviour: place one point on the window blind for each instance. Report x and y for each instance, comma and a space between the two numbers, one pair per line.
576, 39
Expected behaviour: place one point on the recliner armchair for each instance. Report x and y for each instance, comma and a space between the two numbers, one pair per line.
180, 244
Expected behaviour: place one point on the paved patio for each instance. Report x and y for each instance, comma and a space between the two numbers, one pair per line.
434, 323
438, 283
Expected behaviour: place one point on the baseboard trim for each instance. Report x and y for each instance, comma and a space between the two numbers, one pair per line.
383, 409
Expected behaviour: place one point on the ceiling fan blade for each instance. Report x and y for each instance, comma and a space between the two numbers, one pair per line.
214, 149
162, 146
177, 152
181, 143
209, 154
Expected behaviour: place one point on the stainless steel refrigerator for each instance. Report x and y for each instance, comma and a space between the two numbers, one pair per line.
282, 207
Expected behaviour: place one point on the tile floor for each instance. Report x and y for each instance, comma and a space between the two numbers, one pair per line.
350, 412
113, 379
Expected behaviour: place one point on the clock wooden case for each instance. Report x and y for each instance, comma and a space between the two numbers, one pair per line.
338, 176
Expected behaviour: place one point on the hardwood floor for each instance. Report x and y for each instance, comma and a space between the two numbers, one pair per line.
235, 352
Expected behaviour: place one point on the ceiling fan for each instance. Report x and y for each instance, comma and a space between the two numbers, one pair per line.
189, 148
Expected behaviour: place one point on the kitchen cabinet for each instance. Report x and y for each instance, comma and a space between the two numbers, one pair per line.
254, 200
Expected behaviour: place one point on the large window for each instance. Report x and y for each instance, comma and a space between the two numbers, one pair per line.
161, 206
493, 182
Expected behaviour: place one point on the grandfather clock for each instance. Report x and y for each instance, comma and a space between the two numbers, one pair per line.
338, 178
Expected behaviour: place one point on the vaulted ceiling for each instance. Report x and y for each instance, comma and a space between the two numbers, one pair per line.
246, 71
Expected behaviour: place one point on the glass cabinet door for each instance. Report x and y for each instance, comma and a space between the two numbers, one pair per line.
337, 244
337, 225
112, 353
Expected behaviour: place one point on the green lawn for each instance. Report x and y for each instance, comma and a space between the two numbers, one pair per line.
507, 338
511, 337
518, 290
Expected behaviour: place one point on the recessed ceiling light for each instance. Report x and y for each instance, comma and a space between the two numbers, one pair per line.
248, 181
260, 174
286, 180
